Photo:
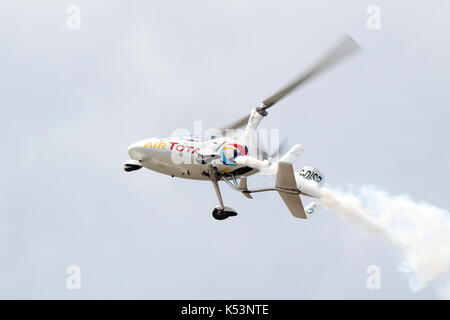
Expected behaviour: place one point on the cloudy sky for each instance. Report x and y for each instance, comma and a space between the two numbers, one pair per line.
72, 101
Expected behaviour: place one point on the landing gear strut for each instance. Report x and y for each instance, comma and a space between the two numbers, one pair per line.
220, 212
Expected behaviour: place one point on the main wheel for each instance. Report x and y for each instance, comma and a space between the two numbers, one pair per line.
222, 214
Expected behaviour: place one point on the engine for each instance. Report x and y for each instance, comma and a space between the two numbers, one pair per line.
309, 181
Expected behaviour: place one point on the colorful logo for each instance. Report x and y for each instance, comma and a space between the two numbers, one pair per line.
232, 150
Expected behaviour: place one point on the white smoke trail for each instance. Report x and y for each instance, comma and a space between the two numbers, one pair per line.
264, 166
420, 230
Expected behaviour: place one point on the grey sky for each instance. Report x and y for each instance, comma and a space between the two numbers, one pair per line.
72, 101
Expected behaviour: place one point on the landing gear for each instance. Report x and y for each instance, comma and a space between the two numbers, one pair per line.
220, 212
223, 213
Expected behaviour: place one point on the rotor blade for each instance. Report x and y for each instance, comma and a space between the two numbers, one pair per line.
236, 125
345, 48
280, 150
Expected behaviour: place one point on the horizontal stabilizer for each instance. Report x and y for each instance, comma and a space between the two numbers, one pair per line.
292, 154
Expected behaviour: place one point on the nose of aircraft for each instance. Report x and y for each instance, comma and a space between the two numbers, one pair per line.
137, 150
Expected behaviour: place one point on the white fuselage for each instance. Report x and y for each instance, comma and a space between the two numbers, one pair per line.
179, 156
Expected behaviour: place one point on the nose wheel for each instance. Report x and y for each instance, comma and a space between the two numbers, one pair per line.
223, 213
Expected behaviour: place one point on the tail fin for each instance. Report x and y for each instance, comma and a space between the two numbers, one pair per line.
243, 187
285, 180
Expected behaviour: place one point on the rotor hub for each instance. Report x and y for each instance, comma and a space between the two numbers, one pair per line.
262, 110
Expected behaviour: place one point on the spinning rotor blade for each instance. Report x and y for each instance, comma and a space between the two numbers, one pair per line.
280, 150
343, 49
237, 124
